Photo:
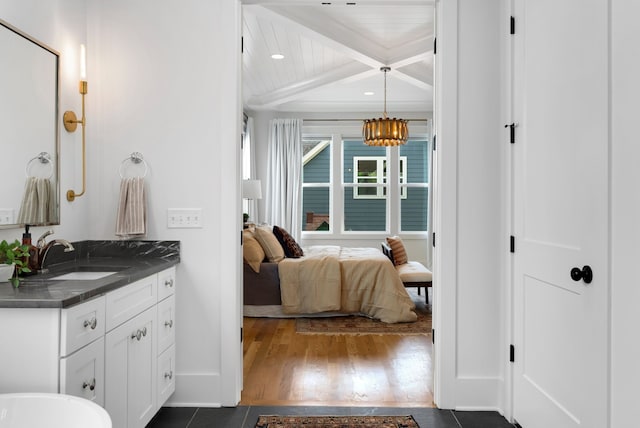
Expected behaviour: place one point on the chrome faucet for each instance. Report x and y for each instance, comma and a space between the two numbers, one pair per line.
41, 240
44, 247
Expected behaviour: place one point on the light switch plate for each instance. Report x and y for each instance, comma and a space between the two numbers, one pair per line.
184, 218
7, 216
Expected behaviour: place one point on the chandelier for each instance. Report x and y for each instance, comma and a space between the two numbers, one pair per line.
384, 131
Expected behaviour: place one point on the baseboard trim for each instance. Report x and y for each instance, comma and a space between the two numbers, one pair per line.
479, 394
196, 390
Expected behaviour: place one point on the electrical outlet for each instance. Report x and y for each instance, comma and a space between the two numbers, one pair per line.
6, 216
184, 218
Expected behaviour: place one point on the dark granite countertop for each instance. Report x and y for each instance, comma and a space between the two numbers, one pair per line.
130, 260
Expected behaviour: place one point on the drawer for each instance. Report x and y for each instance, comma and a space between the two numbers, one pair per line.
128, 301
82, 324
166, 283
166, 375
82, 373
166, 323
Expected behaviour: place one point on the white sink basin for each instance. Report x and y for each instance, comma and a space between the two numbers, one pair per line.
82, 276
27, 410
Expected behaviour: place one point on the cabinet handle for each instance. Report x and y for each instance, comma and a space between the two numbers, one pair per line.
168, 323
144, 331
93, 323
168, 282
91, 384
136, 335
168, 375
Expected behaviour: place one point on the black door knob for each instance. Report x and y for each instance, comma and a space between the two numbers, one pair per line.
585, 274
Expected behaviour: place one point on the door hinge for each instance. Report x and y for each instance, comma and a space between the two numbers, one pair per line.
241, 335
512, 244
512, 132
512, 25
434, 143
512, 353
435, 45
433, 336
241, 44
433, 239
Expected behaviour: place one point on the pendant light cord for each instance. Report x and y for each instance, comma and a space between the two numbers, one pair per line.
385, 70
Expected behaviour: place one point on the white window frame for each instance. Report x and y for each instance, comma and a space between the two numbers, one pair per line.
328, 141
340, 133
381, 179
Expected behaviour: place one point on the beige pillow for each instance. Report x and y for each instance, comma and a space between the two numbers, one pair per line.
397, 248
252, 251
270, 244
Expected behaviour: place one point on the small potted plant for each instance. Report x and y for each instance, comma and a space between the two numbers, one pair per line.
15, 256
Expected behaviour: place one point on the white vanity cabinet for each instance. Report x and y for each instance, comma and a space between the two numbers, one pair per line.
82, 330
140, 325
116, 349
131, 363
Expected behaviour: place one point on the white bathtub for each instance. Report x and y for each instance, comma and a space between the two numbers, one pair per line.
33, 410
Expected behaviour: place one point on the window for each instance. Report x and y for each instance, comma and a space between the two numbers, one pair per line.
414, 185
373, 170
350, 187
316, 184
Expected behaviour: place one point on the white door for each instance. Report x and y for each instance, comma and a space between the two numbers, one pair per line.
560, 172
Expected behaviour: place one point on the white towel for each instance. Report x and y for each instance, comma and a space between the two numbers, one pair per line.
132, 213
37, 203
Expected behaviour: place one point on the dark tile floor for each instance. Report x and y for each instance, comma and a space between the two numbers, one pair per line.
246, 416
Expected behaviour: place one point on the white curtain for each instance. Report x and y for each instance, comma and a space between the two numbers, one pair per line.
249, 167
284, 175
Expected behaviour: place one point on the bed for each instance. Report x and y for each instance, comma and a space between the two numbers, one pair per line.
328, 281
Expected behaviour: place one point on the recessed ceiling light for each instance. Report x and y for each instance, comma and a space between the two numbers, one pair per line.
369, 93
277, 56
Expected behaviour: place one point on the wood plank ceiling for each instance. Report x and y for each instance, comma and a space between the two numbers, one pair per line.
333, 54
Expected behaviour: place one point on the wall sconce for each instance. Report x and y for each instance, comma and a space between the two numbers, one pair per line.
71, 121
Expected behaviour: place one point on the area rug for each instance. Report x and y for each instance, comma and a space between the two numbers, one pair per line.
363, 325
336, 422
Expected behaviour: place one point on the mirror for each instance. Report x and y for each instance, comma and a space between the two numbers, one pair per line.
29, 193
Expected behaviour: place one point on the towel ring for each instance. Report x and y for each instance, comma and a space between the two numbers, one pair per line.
136, 158
43, 158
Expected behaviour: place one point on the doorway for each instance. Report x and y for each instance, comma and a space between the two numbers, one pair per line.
280, 101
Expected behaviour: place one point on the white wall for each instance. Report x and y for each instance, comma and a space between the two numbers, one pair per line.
625, 212
164, 82
471, 223
61, 25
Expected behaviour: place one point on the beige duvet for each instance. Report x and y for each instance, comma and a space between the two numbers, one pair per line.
347, 280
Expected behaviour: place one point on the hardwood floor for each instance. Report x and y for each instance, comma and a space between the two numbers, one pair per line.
283, 368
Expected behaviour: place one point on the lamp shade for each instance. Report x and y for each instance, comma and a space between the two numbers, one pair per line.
251, 189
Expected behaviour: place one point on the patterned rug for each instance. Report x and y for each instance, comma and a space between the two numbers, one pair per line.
364, 325
336, 422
